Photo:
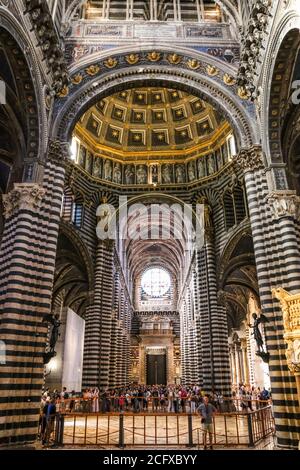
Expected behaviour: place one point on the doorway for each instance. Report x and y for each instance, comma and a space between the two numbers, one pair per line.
156, 369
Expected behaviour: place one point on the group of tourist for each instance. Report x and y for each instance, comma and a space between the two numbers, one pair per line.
158, 398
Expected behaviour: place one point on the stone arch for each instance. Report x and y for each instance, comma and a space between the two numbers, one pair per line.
37, 141
86, 90
278, 67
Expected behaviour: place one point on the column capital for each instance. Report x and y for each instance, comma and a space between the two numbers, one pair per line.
58, 152
251, 159
23, 196
284, 204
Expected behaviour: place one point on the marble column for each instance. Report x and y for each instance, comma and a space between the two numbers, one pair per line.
27, 260
276, 248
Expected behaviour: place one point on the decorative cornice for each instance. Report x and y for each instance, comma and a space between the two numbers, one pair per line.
24, 196
284, 204
251, 159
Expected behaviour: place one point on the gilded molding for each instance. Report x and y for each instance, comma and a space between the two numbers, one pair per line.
24, 196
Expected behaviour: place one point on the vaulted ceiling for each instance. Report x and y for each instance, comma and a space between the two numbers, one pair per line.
151, 120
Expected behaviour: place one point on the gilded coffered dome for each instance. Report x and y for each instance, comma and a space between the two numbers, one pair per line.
152, 121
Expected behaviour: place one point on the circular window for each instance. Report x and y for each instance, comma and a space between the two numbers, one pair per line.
156, 282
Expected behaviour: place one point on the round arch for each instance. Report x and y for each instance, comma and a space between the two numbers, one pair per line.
38, 139
279, 63
238, 112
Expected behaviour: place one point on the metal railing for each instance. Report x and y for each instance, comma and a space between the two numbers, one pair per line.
161, 429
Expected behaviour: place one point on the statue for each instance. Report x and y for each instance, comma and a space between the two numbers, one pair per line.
258, 336
55, 321
201, 169
179, 172
107, 170
211, 165
81, 157
154, 174
141, 175
97, 167
117, 173
191, 171
89, 162
208, 223
166, 174
129, 175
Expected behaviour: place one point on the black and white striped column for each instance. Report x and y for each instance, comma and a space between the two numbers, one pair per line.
97, 354
213, 323
277, 261
27, 260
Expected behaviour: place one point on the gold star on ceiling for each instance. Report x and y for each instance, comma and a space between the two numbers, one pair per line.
115, 133
137, 137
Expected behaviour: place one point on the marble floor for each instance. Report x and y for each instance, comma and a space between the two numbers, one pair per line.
144, 430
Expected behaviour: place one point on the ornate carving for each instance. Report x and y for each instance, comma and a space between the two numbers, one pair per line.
284, 204
174, 59
212, 71
252, 40
110, 63
58, 152
154, 56
92, 70
77, 79
290, 306
250, 159
132, 59
23, 196
48, 41
229, 80
193, 64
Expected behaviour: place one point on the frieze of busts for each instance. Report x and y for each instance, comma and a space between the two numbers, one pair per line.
25, 196
49, 43
284, 204
252, 40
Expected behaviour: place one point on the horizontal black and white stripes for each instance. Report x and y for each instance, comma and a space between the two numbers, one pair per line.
27, 260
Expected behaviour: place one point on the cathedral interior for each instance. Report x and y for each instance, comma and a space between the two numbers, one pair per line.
150, 202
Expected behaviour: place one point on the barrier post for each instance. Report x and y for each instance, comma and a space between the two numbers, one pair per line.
250, 430
121, 432
190, 430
